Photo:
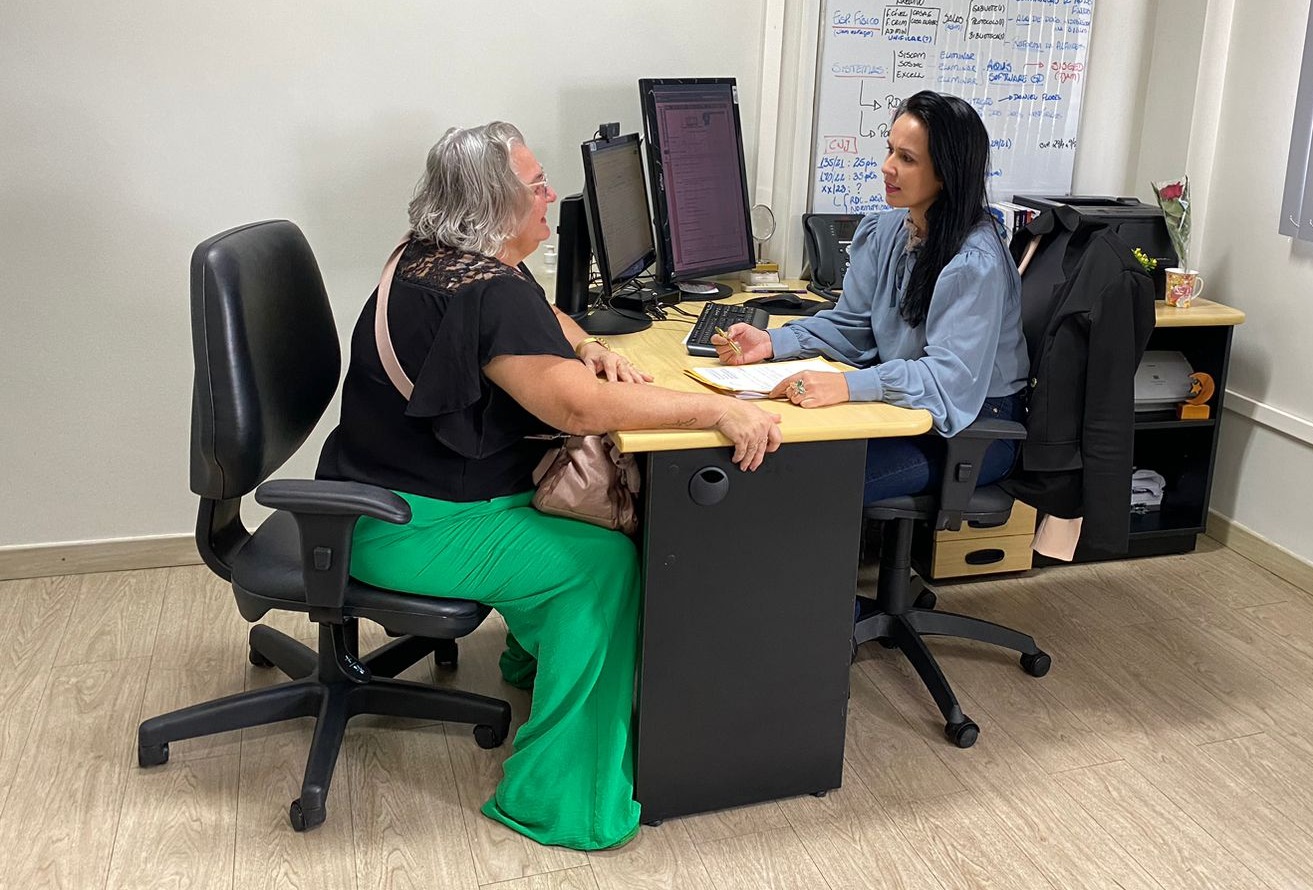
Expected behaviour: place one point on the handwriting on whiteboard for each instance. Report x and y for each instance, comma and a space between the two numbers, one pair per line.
1021, 63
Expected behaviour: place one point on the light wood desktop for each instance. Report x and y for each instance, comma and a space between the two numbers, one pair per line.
1200, 313
659, 351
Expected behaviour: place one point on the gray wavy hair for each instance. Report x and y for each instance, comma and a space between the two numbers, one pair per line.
469, 198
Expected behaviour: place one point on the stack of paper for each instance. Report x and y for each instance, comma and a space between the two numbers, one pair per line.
756, 381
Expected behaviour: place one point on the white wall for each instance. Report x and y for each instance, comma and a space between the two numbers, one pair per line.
1218, 95
132, 135
1207, 88
133, 131
1111, 120
1264, 477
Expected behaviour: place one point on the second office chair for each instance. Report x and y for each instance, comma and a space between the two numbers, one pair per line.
267, 363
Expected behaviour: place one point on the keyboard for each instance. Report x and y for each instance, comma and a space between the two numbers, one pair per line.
720, 315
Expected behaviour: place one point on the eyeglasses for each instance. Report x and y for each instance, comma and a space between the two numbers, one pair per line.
539, 186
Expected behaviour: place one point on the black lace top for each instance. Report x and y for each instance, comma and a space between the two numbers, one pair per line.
460, 437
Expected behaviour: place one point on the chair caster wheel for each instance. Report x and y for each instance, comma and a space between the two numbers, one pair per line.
655, 823
820, 793
152, 755
887, 642
302, 819
962, 734
926, 599
446, 653
255, 658
488, 737
1036, 665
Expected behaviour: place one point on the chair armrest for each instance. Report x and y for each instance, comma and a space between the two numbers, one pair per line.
326, 513
991, 430
966, 453
330, 498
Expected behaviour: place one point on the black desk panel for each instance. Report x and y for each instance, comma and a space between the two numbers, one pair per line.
748, 611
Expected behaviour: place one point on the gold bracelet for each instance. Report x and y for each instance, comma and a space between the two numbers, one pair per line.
579, 347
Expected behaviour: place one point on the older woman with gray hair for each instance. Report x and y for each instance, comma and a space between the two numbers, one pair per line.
492, 364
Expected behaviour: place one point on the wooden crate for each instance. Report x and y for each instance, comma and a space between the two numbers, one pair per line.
978, 551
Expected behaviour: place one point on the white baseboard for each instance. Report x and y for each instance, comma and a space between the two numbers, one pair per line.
81, 557
1273, 557
1270, 416
125, 554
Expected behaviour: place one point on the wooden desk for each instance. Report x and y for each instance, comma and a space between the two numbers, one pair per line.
748, 585
658, 351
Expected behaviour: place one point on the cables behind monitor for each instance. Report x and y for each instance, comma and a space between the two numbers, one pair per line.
829, 293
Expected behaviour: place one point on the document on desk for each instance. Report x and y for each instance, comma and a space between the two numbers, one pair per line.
756, 381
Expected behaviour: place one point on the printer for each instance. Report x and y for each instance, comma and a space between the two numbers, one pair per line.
1162, 381
1138, 224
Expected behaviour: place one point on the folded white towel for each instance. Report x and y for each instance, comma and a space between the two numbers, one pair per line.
1147, 489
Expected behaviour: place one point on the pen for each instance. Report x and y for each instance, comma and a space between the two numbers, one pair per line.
732, 344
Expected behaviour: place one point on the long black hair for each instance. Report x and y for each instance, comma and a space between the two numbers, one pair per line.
959, 151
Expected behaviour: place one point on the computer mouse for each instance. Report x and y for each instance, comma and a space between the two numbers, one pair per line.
786, 304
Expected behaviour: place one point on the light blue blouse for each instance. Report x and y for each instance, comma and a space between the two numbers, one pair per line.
969, 348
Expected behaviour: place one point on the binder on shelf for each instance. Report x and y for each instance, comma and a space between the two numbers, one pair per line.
1013, 217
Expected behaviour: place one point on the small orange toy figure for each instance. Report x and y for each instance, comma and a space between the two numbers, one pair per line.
1201, 390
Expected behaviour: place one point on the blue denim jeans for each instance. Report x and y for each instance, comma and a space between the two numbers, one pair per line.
915, 465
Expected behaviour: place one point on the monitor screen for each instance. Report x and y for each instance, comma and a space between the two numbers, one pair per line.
699, 182
615, 201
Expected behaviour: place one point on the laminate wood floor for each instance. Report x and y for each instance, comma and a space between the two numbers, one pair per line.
1168, 748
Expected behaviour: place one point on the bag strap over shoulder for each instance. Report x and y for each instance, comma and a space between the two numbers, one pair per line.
382, 336
388, 355
1029, 254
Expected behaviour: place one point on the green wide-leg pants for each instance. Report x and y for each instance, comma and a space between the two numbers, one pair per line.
569, 594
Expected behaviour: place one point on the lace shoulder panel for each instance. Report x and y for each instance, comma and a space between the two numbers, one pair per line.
448, 269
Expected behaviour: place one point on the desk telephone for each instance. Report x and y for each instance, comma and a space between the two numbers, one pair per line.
827, 236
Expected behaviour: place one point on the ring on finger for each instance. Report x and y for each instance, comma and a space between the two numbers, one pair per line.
801, 386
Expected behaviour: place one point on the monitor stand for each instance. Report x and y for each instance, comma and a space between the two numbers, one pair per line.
702, 290
614, 321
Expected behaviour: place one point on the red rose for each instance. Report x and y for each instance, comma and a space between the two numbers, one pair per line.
1170, 192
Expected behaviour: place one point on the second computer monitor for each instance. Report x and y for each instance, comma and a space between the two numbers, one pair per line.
615, 201
699, 182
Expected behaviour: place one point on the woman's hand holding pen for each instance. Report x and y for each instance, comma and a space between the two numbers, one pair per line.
753, 345
754, 432
611, 365
813, 389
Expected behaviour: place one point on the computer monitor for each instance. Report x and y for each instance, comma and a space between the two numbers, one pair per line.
699, 181
615, 201
616, 223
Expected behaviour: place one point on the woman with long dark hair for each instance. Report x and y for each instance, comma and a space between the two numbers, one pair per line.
930, 315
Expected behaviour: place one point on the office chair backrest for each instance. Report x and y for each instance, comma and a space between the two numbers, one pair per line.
266, 355
1048, 251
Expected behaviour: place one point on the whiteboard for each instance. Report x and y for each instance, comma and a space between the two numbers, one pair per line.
1021, 63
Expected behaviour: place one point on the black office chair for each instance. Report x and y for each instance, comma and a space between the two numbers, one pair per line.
902, 615
267, 364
